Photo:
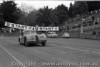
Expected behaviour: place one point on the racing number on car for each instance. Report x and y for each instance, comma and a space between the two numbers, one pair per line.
32, 37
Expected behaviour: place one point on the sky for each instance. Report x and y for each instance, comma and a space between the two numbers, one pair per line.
28, 5
39, 4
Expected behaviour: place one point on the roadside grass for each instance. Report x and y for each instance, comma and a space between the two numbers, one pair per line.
15, 34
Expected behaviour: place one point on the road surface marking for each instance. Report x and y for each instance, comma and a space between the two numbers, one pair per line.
96, 52
70, 48
19, 62
76, 49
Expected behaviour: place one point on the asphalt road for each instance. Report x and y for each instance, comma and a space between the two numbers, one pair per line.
58, 52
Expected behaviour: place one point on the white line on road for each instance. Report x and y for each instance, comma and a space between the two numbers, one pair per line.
71, 48
18, 61
96, 52
76, 49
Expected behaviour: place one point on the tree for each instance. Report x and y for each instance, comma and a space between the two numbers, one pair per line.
93, 5
28, 18
31, 18
54, 18
62, 13
22, 19
1, 20
71, 11
80, 8
10, 11
43, 16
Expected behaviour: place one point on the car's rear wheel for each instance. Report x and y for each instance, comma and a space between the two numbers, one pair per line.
43, 43
19, 40
25, 42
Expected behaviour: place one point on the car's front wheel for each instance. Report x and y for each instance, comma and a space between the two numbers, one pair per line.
25, 42
43, 43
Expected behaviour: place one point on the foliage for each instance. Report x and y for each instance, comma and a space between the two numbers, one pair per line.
43, 16
54, 18
1, 20
31, 18
71, 10
10, 11
62, 13
80, 8
93, 5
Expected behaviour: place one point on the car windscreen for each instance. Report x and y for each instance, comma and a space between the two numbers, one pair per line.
40, 32
52, 33
26, 32
33, 32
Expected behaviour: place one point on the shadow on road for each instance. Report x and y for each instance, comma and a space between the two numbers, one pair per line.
36, 45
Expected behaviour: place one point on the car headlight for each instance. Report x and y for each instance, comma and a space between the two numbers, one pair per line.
42, 36
32, 37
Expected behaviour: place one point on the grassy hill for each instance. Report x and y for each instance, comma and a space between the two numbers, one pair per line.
88, 30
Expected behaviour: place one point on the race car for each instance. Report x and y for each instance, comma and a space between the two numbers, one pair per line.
52, 34
28, 37
66, 35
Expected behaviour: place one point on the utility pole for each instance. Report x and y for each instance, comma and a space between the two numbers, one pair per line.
81, 27
81, 30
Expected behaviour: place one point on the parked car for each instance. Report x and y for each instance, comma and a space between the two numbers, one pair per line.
28, 37
66, 35
52, 34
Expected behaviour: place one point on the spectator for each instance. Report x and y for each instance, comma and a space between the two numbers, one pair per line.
96, 11
98, 33
93, 33
93, 18
99, 9
91, 12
